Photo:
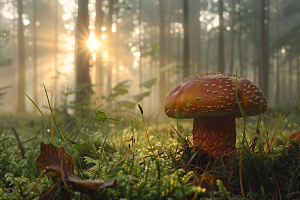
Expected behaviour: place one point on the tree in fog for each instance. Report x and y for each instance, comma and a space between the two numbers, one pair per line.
240, 50
277, 54
264, 67
83, 80
110, 46
221, 38
55, 51
198, 40
21, 51
232, 37
162, 56
99, 66
34, 52
186, 39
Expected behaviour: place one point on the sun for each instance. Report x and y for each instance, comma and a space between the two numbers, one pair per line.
92, 43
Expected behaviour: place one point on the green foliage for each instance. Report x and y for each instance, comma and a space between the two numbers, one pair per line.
140, 97
153, 53
108, 150
149, 83
221, 194
122, 88
101, 116
125, 104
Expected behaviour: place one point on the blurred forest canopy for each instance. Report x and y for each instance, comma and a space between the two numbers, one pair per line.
86, 51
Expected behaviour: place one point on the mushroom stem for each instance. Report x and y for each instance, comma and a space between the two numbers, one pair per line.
217, 135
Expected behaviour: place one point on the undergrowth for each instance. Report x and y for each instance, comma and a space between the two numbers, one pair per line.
151, 162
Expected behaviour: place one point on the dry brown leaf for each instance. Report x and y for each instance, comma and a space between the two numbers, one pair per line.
93, 184
51, 159
296, 137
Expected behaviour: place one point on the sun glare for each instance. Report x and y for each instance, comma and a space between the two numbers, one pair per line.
92, 42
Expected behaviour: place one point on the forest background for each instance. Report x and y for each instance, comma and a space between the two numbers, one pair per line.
150, 45
118, 59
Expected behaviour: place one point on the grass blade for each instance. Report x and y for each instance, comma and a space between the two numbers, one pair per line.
240, 174
53, 119
36, 107
275, 131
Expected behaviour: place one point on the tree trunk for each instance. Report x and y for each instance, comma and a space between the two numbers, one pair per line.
162, 54
297, 65
140, 46
21, 49
185, 39
283, 75
13, 65
34, 54
153, 68
277, 55
179, 72
83, 80
263, 82
169, 51
207, 49
232, 37
290, 76
221, 38
110, 48
198, 39
55, 52
99, 66
240, 50
267, 60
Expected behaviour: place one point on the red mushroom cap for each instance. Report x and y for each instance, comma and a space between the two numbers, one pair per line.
213, 94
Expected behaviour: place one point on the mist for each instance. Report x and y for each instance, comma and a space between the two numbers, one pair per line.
88, 55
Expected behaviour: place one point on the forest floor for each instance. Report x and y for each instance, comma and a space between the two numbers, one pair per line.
115, 157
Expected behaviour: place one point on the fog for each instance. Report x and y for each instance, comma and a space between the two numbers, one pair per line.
154, 44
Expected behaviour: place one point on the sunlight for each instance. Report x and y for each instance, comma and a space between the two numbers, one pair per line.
137, 54
114, 27
92, 42
121, 67
66, 16
26, 22
94, 56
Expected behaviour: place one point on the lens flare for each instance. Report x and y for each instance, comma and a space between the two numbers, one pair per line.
92, 42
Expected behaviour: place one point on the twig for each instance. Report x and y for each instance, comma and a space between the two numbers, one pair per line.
240, 174
276, 184
120, 161
275, 131
261, 134
20, 144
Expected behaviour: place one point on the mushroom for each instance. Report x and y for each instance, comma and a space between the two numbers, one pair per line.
210, 99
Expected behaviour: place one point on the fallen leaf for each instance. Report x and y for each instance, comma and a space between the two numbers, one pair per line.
50, 159
296, 137
54, 159
93, 184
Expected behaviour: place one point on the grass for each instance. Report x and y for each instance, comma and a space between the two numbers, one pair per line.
168, 169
